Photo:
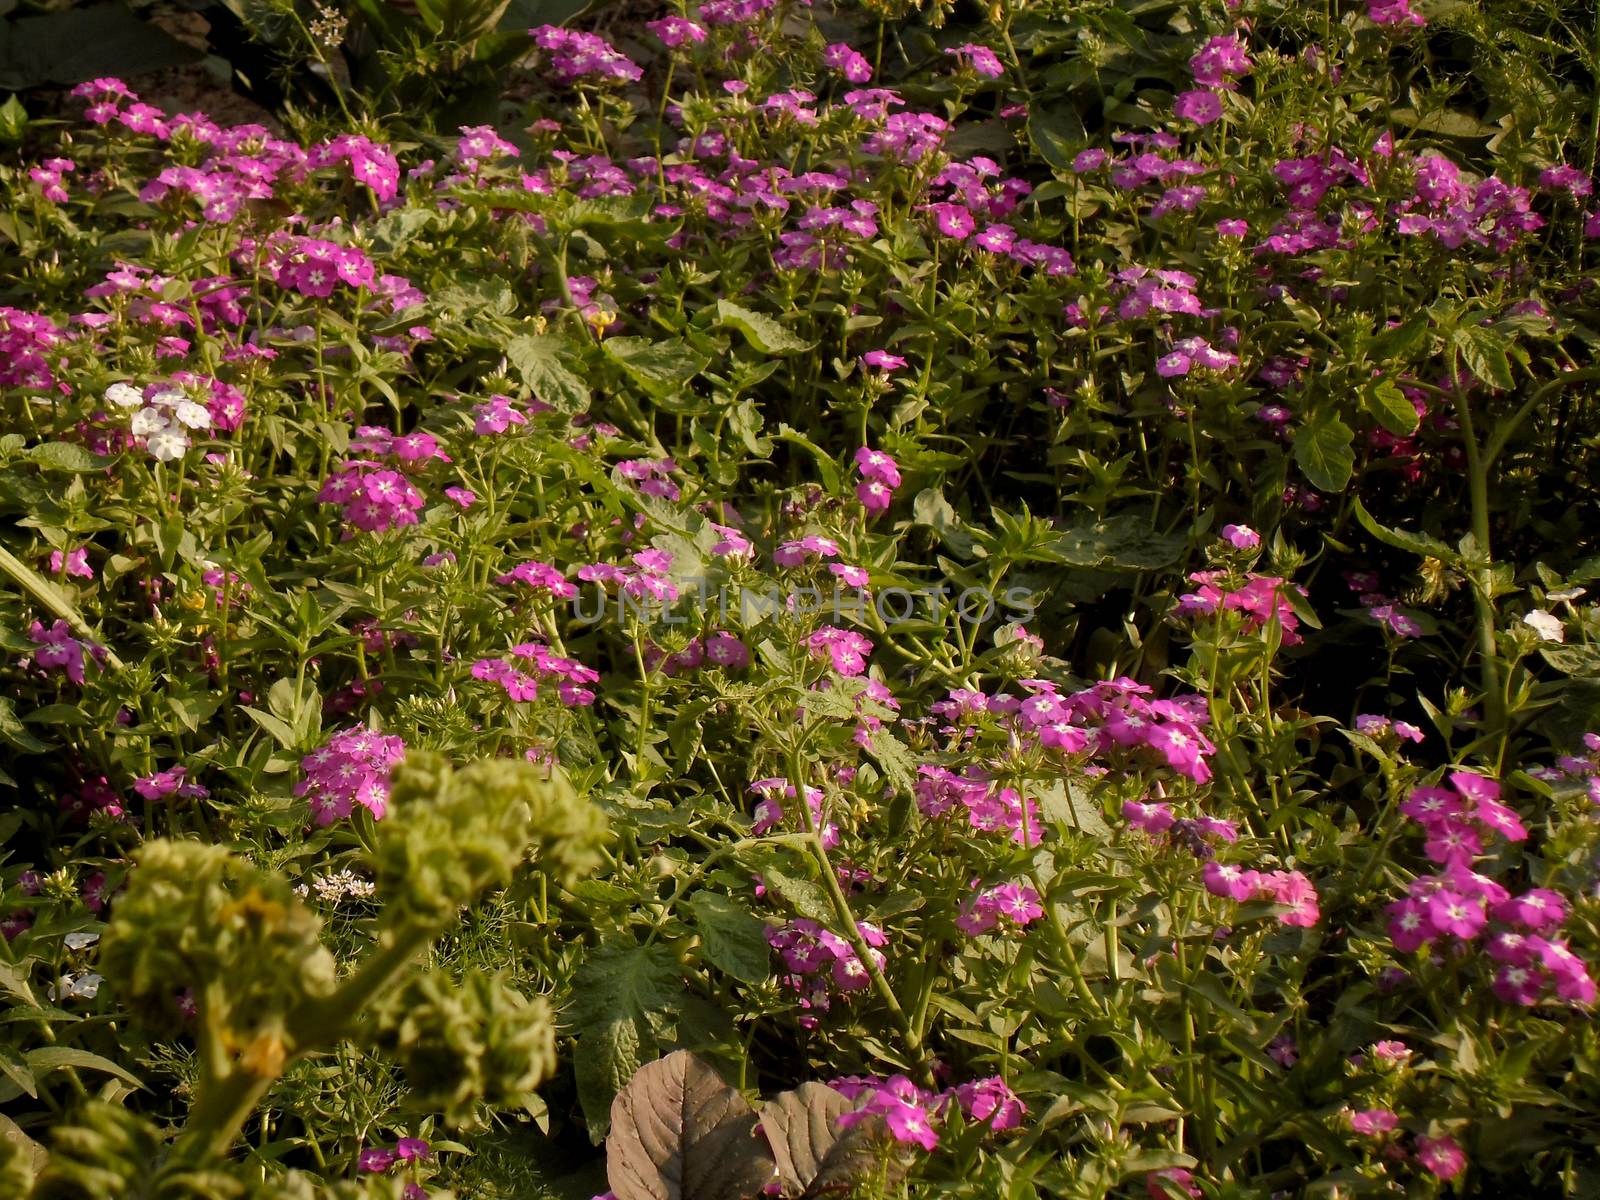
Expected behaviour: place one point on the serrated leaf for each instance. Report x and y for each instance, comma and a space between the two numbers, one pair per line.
1484, 352
623, 979
761, 331
893, 758
731, 937
802, 895
65, 456
539, 360
813, 1154
1124, 541
678, 1132
1390, 408
53, 1058
658, 367
1322, 451
604, 1058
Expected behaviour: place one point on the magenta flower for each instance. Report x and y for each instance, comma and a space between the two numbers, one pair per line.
74, 562
58, 649
882, 360
1198, 105
953, 220
992, 1102
847, 62
1374, 1122
1441, 1156
1455, 914
1241, 537
675, 31
980, 60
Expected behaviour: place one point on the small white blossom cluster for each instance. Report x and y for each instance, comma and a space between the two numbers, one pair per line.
162, 420
339, 885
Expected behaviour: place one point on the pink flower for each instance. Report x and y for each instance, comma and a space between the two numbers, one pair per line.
1373, 1122
847, 62
979, 59
1198, 105
1391, 1051
1241, 537
990, 1100
883, 360
1441, 1156
1456, 914
58, 649
1171, 1182
75, 563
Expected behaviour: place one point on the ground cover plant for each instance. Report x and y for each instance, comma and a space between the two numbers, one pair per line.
982, 601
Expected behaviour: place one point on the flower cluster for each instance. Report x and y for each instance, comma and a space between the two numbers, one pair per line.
570, 675
171, 782
820, 963
575, 56
769, 810
719, 649
1011, 904
352, 768
880, 475
162, 419
911, 1113
845, 650
375, 496
58, 650
1261, 600
1459, 905
989, 809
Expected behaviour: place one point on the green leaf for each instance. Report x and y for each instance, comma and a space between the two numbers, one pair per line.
280, 730
603, 1060
13, 120
802, 895
15, 733
1057, 133
623, 979
1125, 541
731, 937
78, 44
894, 759
1484, 352
1322, 452
1418, 543
761, 331
658, 367
18, 1070
930, 508
1390, 408
65, 456
54, 1058
539, 360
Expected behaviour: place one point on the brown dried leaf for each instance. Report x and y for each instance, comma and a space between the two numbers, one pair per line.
814, 1155
679, 1133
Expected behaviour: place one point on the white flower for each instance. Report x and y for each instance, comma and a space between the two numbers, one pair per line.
84, 987
1571, 593
193, 415
1545, 625
148, 421
124, 395
79, 941
167, 445
168, 398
